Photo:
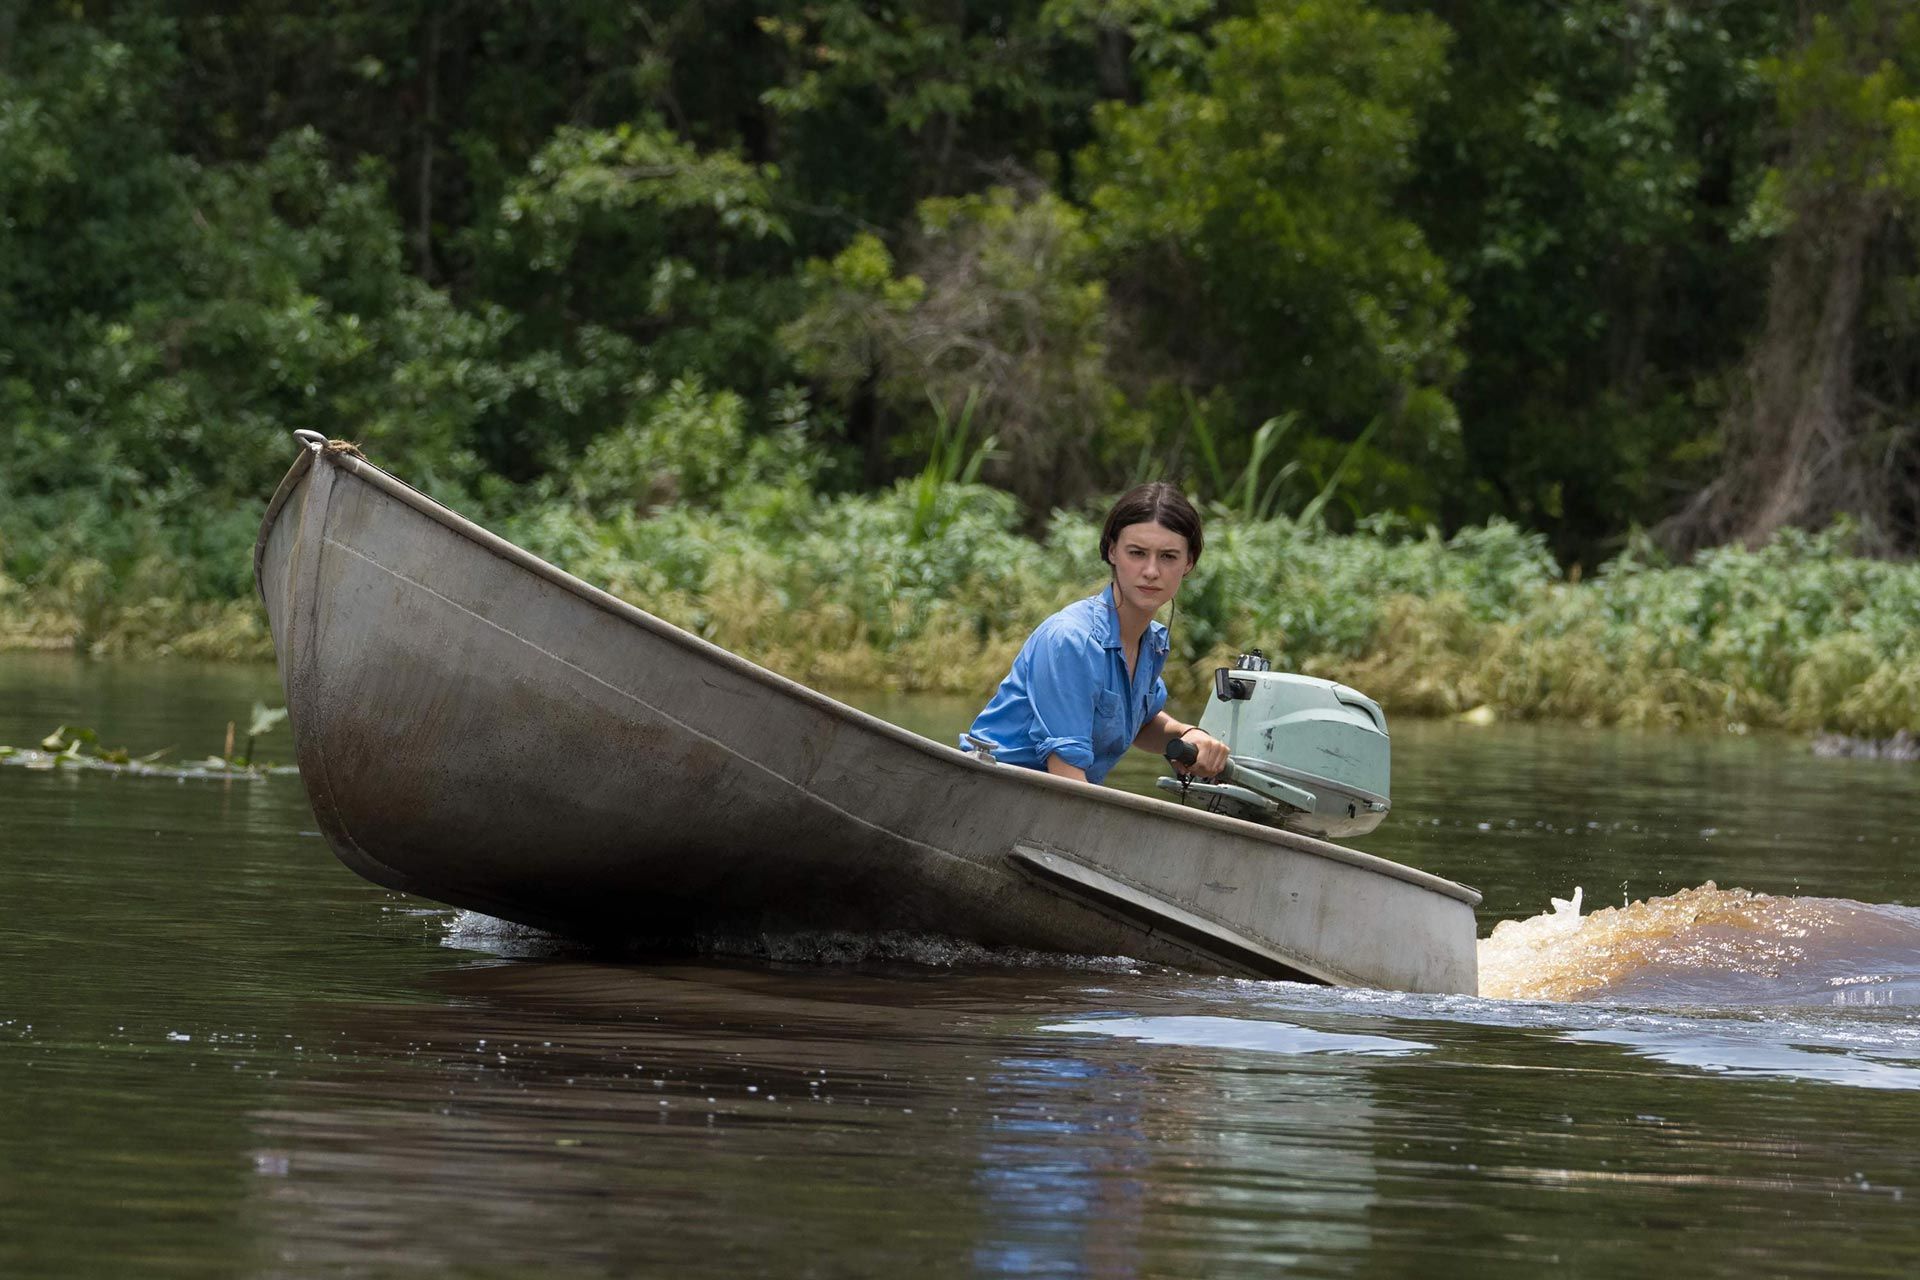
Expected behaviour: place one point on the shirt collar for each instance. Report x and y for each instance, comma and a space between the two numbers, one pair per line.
1107, 628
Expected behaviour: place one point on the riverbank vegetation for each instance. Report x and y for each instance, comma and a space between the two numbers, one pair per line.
932, 585
1559, 360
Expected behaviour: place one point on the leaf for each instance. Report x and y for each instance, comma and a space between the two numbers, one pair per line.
66, 736
265, 719
1313, 509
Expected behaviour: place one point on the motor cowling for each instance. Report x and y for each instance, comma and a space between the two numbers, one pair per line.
1308, 755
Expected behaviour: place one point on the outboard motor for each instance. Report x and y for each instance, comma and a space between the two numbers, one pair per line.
1307, 755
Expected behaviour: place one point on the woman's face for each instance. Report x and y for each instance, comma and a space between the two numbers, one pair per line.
1149, 561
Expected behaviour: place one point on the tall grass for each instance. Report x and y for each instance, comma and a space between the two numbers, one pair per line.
1800, 634
931, 586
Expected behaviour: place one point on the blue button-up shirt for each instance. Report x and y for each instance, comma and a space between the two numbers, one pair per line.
1069, 694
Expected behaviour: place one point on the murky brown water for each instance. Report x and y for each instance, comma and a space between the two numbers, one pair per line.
220, 1053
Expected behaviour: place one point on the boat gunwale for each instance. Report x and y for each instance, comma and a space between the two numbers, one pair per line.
489, 541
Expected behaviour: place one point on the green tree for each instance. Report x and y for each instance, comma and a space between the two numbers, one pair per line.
169, 321
880, 107
1583, 178
625, 252
1001, 318
1254, 222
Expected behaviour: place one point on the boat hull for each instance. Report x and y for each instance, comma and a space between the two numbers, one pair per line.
480, 728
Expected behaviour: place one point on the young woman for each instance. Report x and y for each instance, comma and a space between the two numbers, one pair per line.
1087, 684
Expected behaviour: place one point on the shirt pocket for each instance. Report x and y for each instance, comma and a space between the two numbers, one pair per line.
1109, 725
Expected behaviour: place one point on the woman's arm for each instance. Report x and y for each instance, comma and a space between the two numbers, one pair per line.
1156, 733
1061, 769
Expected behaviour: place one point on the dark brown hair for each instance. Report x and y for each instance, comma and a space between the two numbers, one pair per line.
1156, 503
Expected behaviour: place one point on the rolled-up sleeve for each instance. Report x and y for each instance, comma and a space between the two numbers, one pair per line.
1157, 701
1064, 679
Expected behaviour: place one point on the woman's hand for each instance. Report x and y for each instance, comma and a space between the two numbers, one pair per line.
1211, 751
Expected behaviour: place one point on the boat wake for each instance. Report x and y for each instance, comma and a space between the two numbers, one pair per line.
473, 931
895, 947
1709, 945
1700, 946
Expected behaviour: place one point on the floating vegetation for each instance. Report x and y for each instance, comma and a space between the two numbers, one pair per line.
78, 748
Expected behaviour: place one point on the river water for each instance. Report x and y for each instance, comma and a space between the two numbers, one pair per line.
223, 1054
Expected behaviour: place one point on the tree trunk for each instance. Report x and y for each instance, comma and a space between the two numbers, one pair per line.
1113, 63
1803, 444
1798, 427
423, 178
1794, 452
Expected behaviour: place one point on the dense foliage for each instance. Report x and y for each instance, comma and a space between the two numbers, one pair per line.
688, 294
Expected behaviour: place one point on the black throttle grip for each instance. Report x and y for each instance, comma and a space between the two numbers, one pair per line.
1180, 751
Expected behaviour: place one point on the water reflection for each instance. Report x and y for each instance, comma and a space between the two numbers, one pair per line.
1272, 1140
1750, 1050
1061, 1172
1202, 1030
620, 1117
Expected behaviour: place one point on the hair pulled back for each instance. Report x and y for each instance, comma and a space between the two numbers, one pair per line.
1155, 503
